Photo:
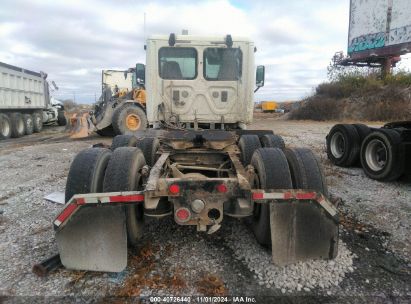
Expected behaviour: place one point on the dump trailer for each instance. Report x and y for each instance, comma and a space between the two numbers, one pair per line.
384, 153
121, 109
25, 103
197, 163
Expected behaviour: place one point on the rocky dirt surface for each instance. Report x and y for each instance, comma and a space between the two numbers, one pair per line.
373, 264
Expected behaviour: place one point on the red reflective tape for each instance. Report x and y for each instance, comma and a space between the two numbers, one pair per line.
67, 212
258, 195
288, 195
80, 201
127, 198
308, 195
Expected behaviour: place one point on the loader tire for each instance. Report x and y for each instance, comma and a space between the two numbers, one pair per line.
61, 118
123, 174
5, 126
343, 145
129, 119
306, 172
17, 125
28, 124
272, 141
149, 146
380, 155
123, 141
87, 171
272, 172
248, 144
106, 132
37, 122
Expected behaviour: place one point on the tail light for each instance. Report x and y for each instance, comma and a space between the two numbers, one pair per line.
183, 214
174, 189
222, 188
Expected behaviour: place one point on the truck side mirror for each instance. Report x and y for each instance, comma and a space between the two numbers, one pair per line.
259, 77
140, 73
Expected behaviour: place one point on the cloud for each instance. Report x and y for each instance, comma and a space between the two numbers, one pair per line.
74, 40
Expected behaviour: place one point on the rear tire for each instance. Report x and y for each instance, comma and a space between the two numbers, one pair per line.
123, 174
305, 170
149, 146
363, 131
5, 126
380, 156
248, 144
128, 119
343, 145
17, 125
123, 141
87, 171
272, 141
37, 122
272, 172
28, 124
61, 118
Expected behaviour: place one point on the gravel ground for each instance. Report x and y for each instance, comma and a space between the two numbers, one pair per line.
373, 262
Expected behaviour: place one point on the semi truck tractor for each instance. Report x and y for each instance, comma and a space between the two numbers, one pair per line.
25, 102
197, 163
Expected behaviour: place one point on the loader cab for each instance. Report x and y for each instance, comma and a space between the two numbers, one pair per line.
200, 82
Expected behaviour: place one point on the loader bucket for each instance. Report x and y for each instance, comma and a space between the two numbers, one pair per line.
80, 125
303, 230
94, 239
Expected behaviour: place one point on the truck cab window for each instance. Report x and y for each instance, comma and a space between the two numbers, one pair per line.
177, 63
222, 64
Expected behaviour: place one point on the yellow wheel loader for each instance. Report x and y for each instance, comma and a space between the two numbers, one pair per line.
196, 163
120, 110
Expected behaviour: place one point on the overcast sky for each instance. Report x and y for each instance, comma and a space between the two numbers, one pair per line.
74, 40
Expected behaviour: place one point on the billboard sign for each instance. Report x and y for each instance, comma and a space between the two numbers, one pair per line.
379, 28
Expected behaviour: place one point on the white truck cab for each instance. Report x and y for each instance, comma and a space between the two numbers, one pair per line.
201, 82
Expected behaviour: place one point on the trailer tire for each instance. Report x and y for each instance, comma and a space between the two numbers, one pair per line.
272, 141
363, 131
123, 174
128, 119
380, 155
28, 124
343, 145
87, 171
5, 126
37, 122
248, 144
306, 172
61, 118
17, 125
123, 141
149, 146
272, 172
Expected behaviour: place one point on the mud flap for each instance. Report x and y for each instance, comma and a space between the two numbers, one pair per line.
302, 230
95, 238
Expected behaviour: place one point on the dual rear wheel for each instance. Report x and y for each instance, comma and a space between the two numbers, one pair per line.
101, 170
275, 168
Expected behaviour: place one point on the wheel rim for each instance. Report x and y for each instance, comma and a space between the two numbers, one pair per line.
4, 128
133, 122
337, 145
29, 123
376, 155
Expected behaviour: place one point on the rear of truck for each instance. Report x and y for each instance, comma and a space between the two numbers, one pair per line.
200, 165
